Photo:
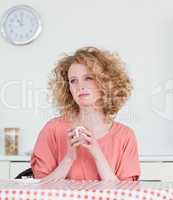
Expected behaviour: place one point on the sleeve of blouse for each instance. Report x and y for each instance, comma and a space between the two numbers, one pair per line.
129, 169
44, 156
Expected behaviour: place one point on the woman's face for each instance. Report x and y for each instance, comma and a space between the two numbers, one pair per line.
82, 82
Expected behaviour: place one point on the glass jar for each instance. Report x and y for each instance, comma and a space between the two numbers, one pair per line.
11, 141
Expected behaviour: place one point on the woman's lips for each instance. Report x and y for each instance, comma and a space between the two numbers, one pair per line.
85, 94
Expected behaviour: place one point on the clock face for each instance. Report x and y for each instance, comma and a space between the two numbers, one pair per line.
20, 25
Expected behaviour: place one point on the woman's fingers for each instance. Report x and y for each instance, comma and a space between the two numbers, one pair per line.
74, 140
77, 139
87, 138
86, 132
76, 144
71, 134
77, 130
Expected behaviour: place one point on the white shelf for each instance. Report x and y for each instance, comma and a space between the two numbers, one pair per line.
142, 158
154, 158
14, 158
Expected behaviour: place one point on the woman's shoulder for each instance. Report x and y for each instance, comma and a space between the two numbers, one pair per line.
56, 122
124, 130
53, 126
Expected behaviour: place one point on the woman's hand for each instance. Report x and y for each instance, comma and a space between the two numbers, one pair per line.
90, 143
104, 169
73, 142
85, 138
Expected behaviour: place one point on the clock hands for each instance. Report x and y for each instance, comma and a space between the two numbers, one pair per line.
20, 21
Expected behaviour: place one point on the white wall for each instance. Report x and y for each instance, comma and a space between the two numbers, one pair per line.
140, 31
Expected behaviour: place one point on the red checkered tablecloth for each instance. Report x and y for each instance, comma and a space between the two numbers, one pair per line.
31, 189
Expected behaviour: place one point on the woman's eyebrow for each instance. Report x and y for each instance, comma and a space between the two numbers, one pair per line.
76, 76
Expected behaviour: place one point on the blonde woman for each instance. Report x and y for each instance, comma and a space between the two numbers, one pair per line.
84, 142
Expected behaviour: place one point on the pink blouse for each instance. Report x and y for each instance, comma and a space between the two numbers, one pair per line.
119, 147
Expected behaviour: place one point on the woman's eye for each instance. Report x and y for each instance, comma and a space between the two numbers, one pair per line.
89, 78
72, 80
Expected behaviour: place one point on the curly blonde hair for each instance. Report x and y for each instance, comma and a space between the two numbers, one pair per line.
110, 76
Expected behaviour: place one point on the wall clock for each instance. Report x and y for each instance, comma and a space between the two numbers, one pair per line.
20, 25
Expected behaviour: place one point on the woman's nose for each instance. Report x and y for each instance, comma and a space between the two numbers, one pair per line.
81, 86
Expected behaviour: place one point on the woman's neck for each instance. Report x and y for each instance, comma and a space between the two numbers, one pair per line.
92, 119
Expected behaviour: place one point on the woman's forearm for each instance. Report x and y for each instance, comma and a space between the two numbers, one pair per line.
62, 170
104, 169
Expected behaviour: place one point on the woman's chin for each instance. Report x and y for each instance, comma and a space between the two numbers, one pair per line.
85, 103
